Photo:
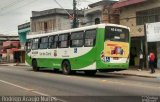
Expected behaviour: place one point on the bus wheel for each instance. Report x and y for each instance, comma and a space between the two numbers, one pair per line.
66, 68
34, 65
90, 72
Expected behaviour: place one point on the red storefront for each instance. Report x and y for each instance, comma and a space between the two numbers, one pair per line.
9, 50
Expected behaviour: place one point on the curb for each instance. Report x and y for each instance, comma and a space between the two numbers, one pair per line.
11, 65
135, 75
3, 65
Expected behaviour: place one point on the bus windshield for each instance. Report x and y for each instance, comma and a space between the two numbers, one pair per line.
116, 34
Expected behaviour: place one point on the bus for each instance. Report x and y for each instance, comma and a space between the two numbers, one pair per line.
101, 47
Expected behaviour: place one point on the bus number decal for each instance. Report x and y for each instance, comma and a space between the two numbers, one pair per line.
107, 59
75, 50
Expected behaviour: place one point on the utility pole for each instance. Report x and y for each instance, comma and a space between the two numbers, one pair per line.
74, 14
146, 46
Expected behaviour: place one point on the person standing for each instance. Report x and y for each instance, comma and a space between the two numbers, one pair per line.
0, 58
151, 61
141, 60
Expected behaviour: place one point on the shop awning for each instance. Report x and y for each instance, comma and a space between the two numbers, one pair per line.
127, 3
14, 49
3, 51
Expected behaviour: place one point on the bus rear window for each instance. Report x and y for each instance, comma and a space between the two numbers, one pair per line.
117, 34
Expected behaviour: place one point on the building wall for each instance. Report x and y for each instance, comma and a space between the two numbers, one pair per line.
122, 0
9, 46
37, 25
90, 19
63, 23
54, 23
52, 20
128, 16
105, 13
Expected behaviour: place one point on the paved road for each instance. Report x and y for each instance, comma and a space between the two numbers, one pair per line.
22, 81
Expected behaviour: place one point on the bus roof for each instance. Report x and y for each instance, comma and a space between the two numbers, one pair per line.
30, 36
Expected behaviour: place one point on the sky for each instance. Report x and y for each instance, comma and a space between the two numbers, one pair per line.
17, 12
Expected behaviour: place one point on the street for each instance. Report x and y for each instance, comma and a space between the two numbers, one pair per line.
22, 81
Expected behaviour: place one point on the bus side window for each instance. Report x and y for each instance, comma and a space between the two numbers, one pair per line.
63, 41
53, 41
35, 44
77, 39
43, 43
90, 38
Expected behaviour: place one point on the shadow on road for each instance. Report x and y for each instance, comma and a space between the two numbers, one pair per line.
82, 74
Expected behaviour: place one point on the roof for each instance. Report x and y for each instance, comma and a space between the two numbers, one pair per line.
104, 2
23, 26
8, 35
55, 11
127, 3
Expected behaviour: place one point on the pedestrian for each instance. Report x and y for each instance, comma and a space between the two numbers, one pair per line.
17, 57
0, 58
141, 60
151, 61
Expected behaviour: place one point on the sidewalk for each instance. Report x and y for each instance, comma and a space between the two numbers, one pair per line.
142, 73
129, 72
13, 64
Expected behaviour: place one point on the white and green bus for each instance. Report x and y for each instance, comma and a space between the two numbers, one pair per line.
102, 47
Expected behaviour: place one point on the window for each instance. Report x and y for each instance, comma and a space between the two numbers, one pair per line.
53, 41
90, 38
35, 44
148, 16
45, 26
43, 43
117, 34
77, 39
97, 21
63, 40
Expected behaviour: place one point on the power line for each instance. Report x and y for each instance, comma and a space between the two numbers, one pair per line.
15, 9
11, 4
19, 7
63, 9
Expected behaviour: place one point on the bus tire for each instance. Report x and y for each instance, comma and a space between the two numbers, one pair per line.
34, 65
66, 68
90, 72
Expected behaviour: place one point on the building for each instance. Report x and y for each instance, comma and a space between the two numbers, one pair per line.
101, 12
23, 30
52, 20
134, 14
7, 38
8, 45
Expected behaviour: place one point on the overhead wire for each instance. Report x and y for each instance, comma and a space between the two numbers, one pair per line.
63, 8
15, 9
10, 5
18, 7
